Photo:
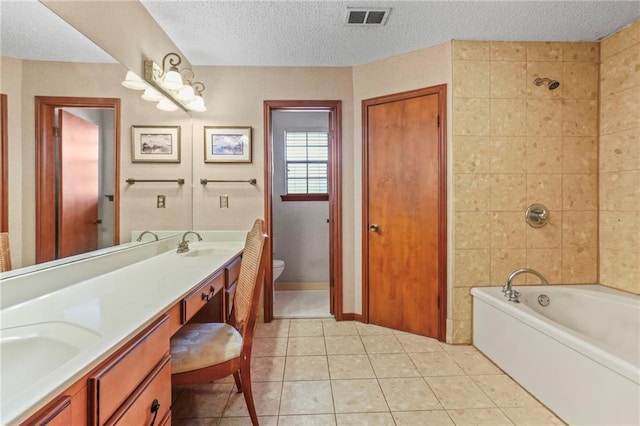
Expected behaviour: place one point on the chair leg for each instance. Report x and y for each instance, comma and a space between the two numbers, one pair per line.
236, 377
245, 374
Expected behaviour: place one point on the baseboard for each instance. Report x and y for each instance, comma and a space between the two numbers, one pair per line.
350, 316
288, 286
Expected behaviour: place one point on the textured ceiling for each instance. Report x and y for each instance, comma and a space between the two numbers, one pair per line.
29, 30
313, 33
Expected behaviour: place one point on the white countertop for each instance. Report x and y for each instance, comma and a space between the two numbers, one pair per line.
104, 311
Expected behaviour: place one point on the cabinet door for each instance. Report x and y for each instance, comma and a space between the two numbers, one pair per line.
57, 414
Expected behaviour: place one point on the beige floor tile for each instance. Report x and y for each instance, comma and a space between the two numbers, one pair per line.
505, 392
393, 365
269, 346
365, 419
343, 345
201, 401
381, 344
339, 328
421, 418
276, 328
308, 397
407, 394
266, 398
246, 421
350, 367
455, 392
301, 346
474, 363
308, 420
531, 416
358, 396
457, 348
436, 364
369, 329
479, 416
300, 328
415, 343
306, 368
267, 369
211, 421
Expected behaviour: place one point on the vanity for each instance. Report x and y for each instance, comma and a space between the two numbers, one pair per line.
87, 342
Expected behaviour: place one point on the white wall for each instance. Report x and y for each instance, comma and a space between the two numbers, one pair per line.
300, 228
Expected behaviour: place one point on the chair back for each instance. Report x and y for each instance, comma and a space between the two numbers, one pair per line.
250, 281
5, 256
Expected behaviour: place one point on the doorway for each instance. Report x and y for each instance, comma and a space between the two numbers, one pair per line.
332, 112
77, 169
404, 211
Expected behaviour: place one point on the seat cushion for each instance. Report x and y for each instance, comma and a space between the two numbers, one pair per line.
197, 346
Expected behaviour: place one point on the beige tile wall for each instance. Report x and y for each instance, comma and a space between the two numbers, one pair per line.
620, 160
515, 144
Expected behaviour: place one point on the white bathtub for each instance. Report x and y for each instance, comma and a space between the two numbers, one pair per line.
580, 355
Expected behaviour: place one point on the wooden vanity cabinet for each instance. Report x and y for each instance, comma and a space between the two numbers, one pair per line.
58, 413
128, 383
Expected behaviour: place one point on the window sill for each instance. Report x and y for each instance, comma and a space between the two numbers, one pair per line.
305, 197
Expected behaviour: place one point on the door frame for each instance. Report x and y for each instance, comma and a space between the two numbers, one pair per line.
4, 161
45, 107
335, 194
441, 91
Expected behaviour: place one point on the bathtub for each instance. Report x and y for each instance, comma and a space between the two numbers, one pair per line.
579, 355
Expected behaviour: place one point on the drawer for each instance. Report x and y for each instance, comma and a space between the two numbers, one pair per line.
202, 294
232, 271
156, 388
57, 414
111, 385
228, 294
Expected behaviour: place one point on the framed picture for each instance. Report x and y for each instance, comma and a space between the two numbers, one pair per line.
155, 144
227, 144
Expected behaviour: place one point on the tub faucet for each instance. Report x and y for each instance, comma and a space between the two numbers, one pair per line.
147, 232
510, 293
183, 246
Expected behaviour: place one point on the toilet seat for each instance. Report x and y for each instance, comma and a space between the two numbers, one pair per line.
277, 263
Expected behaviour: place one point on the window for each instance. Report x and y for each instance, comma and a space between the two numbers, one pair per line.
307, 165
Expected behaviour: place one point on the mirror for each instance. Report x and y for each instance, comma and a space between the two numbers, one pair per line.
60, 62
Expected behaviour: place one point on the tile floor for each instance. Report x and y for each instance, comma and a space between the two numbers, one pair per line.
301, 304
322, 372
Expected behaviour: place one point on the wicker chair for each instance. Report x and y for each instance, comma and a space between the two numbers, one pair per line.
201, 353
5, 256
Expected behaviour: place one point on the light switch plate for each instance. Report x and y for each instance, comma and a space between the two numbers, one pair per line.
161, 202
224, 201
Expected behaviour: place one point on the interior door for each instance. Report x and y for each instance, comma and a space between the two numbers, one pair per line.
78, 189
402, 212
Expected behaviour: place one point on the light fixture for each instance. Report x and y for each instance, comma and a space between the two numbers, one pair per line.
168, 85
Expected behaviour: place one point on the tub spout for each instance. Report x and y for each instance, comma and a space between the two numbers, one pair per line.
183, 246
510, 293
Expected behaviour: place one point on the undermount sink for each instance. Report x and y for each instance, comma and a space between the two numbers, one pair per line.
22, 348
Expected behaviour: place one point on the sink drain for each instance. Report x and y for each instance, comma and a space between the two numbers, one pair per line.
544, 300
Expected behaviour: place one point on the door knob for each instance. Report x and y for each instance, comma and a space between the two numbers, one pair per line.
97, 222
373, 227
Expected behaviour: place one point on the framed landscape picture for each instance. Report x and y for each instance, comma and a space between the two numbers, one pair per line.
227, 144
155, 144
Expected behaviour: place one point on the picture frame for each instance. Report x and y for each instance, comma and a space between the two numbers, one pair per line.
155, 144
227, 144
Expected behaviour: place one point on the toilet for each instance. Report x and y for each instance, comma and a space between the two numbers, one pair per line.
278, 268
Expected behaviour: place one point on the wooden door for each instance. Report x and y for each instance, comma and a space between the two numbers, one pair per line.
403, 212
78, 185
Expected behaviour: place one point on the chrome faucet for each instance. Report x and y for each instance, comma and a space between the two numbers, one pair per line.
147, 232
510, 293
183, 246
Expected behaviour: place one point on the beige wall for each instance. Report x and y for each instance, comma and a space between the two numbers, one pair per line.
414, 70
516, 144
620, 160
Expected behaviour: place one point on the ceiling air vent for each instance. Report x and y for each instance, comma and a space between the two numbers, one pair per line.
368, 16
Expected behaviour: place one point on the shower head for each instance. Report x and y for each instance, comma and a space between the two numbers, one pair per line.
553, 84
